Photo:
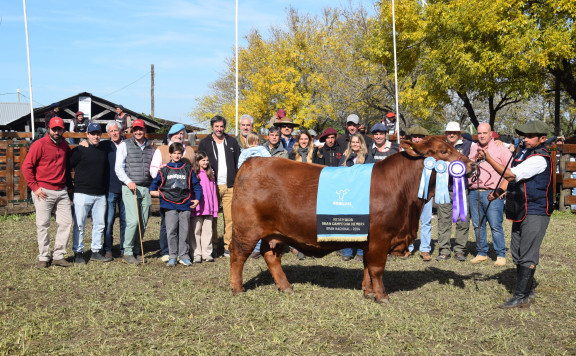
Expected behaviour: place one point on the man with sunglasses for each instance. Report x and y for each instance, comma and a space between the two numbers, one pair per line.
529, 204
286, 126
45, 171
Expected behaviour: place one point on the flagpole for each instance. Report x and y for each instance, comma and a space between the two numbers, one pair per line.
395, 74
236, 132
29, 71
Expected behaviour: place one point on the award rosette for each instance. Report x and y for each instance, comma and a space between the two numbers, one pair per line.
458, 169
429, 164
442, 193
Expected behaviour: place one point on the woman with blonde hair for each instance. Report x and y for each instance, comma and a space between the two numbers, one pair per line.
303, 148
356, 152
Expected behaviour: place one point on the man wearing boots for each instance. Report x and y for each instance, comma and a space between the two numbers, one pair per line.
528, 204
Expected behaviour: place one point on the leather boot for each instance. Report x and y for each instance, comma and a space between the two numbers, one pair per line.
529, 292
523, 277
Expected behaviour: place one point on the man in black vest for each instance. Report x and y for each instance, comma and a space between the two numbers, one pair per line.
133, 159
528, 204
223, 152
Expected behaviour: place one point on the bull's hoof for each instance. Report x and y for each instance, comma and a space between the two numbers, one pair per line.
288, 291
236, 291
384, 300
370, 296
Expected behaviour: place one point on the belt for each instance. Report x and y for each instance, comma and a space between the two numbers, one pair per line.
480, 190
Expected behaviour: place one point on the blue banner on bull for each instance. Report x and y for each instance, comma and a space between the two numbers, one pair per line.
343, 203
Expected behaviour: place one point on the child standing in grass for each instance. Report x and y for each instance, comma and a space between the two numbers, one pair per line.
205, 212
179, 191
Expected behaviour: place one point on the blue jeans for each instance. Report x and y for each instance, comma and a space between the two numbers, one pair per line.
425, 228
113, 199
350, 252
83, 204
163, 238
494, 215
257, 248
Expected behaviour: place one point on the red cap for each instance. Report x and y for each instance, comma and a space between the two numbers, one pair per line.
390, 115
281, 113
56, 122
79, 113
138, 123
495, 135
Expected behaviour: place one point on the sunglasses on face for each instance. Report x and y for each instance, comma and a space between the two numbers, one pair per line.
285, 126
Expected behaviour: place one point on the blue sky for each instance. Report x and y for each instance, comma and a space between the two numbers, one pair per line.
106, 47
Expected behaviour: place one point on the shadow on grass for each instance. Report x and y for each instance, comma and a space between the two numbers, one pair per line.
394, 281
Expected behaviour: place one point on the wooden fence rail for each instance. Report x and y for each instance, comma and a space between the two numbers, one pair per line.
15, 197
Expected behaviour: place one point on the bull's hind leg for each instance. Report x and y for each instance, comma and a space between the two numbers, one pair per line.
379, 291
272, 252
367, 283
238, 255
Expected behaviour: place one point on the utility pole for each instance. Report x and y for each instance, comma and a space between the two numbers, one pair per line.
152, 91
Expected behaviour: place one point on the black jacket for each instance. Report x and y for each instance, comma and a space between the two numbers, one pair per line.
232, 150
328, 156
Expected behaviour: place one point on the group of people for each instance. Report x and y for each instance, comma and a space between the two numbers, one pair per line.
124, 174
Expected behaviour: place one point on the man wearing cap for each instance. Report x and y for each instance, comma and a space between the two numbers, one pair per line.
133, 159
381, 147
161, 157
223, 152
390, 121
273, 145
90, 172
44, 169
123, 119
480, 208
286, 128
52, 113
454, 137
78, 125
331, 152
246, 126
417, 135
529, 204
352, 123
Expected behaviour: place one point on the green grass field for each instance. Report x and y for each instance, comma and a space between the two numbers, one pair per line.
435, 307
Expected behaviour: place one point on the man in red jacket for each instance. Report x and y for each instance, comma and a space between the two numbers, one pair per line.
45, 172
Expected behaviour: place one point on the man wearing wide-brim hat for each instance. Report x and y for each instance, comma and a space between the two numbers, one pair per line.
286, 128
417, 135
529, 203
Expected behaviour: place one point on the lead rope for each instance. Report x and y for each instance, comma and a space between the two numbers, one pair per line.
476, 178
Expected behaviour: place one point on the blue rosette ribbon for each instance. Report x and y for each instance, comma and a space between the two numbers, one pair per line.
442, 194
458, 169
429, 164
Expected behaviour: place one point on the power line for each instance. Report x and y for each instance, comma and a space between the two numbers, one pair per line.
124, 87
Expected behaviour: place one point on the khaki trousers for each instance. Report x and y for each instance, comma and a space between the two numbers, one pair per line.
225, 198
201, 236
58, 203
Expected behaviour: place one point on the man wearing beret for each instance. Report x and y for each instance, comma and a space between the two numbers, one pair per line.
45, 171
528, 187
331, 152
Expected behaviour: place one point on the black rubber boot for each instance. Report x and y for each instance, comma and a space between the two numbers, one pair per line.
529, 292
523, 278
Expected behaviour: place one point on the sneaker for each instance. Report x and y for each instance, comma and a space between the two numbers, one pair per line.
346, 258
96, 256
359, 258
209, 259
130, 260
198, 259
79, 258
61, 263
185, 262
500, 262
42, 264
300, 256
425, 256
460, 256
478, 259
226, 253
165, 258
171, 262
442, 257
255, 254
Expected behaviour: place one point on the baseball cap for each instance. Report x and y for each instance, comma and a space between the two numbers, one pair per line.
353, 118
93, 127
138, 123
56, 122
79, 113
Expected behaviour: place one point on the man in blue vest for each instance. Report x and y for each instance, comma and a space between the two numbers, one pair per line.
528, 187
133, 158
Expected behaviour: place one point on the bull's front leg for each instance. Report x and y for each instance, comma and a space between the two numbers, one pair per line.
272, 252
367, 283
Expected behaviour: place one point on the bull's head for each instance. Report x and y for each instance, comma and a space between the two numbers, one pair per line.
437, 148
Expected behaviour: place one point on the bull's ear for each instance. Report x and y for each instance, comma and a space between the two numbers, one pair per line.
412, 148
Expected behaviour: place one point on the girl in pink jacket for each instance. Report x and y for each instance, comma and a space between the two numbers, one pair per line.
205, 212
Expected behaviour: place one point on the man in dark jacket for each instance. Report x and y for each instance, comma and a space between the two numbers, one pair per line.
223, 152
382, 147
352, 123
273, 145
329, 154
89, 164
